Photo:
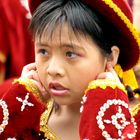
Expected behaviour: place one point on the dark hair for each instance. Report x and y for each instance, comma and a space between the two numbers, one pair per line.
80, 18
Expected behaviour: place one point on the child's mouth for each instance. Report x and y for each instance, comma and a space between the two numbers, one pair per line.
57, 89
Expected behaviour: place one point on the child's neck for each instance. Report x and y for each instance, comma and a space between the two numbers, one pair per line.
65, 121
73, 109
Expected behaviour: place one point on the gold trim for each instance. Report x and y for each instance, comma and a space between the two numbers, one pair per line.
44, 121
30, 86
104, 83
2, 57
128, 77
135, 110
124, 18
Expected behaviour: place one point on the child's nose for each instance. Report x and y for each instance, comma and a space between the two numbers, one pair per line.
55, 67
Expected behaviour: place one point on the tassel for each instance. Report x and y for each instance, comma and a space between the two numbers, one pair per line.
128, 77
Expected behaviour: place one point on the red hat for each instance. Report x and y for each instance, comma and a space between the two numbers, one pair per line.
119, 14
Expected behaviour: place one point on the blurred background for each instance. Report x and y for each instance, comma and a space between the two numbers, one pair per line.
16, 44
135, 5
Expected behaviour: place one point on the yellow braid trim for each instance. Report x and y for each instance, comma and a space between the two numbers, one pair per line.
104, 83
2, 57
30, 86
49, 134
124, 18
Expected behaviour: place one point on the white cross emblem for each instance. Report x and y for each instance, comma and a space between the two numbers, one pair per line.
24, 102
123, 123
118, 120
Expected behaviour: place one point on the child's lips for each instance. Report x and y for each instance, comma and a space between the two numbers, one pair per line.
57, 89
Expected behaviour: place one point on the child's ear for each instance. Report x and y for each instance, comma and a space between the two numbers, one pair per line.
113, 57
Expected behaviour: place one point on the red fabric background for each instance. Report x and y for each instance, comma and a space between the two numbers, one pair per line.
15, 40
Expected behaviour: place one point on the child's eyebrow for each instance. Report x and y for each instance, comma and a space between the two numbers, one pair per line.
39, 44
72, 45
67, 45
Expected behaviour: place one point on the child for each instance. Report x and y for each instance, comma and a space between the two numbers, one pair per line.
77, 44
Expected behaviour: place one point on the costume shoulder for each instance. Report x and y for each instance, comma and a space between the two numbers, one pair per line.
20, 111
105, 112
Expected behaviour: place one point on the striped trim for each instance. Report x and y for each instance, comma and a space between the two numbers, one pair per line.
124, 18
104, 83
30, 86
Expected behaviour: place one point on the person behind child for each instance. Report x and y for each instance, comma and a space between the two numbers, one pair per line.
72, 91
16, 45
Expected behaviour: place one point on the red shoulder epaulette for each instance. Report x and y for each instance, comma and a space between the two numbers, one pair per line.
20, 112
105, 113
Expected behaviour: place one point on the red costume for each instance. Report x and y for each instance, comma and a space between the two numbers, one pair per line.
16, 45
104, 111
109, 116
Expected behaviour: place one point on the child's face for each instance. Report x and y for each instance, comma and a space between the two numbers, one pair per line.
66, 64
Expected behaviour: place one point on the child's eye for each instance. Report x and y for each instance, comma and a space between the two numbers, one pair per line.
71, 54
43, 52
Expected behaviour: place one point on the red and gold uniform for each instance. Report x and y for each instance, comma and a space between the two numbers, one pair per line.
20, 112
105, 113
109, 117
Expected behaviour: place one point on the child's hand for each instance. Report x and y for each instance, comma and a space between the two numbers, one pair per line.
29, 71
109, 74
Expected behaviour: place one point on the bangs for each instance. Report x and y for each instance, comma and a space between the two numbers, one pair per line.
79, 18
51, 14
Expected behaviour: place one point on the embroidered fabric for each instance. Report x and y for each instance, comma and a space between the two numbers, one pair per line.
45, 131
48, 133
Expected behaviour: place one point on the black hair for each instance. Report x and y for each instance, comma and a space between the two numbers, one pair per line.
80, 18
